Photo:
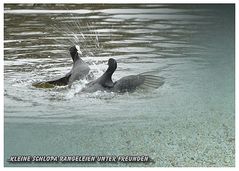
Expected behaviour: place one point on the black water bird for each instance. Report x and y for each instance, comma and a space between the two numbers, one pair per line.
78, 71
125, 84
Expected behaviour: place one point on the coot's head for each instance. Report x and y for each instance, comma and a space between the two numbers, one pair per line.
74, 51
112, 64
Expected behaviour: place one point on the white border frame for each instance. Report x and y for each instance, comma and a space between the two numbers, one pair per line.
108, 1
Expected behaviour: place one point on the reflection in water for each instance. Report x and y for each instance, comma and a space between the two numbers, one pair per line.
191, 46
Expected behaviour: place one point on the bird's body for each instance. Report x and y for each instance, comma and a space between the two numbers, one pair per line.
125, 84
78, 71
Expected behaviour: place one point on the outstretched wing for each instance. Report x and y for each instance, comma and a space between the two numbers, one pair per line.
132, 82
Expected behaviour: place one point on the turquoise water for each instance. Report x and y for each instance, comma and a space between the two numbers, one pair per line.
189, 121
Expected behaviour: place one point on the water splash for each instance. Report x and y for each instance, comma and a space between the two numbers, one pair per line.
76, 32
75, 88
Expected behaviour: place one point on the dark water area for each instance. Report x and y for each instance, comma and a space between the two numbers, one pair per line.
189, 121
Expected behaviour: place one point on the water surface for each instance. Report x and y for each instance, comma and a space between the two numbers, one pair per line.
189, 121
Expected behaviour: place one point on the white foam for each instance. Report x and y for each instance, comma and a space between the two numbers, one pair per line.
76, 88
